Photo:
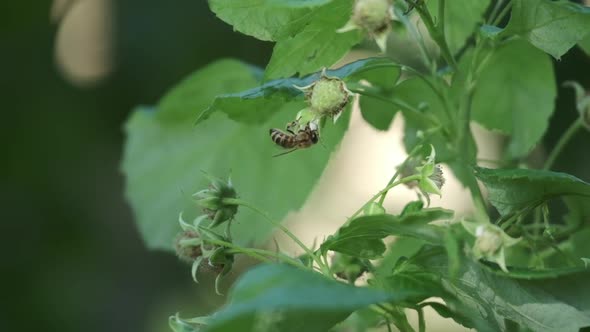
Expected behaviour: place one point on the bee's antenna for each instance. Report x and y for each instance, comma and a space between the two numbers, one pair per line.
283, 153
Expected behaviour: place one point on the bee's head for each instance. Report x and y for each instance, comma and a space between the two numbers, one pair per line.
314, 136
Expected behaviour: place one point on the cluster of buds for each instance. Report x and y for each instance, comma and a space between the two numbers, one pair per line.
490, 242
326, 97
213, 200
374, 18
197, 243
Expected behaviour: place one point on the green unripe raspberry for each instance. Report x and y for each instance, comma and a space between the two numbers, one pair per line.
329, 96
372, 15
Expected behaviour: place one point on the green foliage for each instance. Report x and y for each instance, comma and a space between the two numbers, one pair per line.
316, 45
282, 298
527, 270
516, 95
461, 19
165, 155
267, 19
540, 305
552, 26
363, 236
585, 44
258, 104
512, 190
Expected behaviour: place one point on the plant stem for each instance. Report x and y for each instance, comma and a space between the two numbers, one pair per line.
436, 32
563, 140
384, 190
494, 12
237, 201
255, 253
395, 175
503, 13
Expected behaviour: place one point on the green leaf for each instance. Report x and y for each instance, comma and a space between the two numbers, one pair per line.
529, 274
516, 94
282, 298
552, 26
461, 19
163, 159
258, 104
511, 190
377, 113
585, 44
561, 304
266, 19
422, 284
362, 237
318, 45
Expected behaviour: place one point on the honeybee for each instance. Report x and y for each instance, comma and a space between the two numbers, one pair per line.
304, 138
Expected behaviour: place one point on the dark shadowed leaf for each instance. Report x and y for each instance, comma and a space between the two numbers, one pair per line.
281, 298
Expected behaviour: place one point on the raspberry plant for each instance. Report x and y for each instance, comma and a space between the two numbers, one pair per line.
514, 264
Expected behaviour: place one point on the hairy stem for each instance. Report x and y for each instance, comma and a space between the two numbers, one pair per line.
236, 201
384, 190
259, 254
437, 32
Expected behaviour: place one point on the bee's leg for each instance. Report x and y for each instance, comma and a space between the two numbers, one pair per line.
283, 153
291, 126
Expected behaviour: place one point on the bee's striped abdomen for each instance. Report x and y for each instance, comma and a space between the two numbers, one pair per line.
282, 139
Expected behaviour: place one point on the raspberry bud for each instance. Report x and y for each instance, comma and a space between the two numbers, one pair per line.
327, 96
212, 200
374, 17
188, 246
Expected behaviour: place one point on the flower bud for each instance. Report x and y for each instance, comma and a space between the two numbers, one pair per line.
372, 16
212, 200
432, 179
188, 246
490, 242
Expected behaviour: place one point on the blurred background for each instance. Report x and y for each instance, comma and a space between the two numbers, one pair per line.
71, 72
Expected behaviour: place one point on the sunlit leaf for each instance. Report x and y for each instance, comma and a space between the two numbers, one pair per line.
266, 19
511, 190
515, 94
165, 155
552, 26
